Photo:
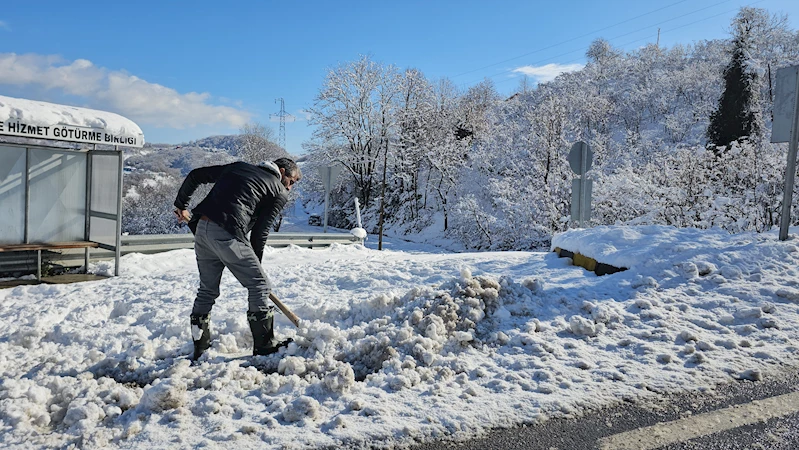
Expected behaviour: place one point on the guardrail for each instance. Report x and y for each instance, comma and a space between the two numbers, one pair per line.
25, 262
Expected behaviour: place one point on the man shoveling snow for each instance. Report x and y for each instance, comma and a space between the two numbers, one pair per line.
245, 198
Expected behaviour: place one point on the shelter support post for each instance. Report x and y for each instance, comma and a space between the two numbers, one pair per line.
88, 223
118, 250
26, 225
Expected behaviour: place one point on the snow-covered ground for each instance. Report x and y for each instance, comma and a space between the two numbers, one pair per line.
395, 346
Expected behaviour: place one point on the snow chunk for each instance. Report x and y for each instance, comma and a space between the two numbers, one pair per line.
196, 332
766, 322
787, 293
769, 308
23, 404
340, 379
752, 375
748, 313
664, 358
533, 284
644, 282
731, 272
302, 408
688, 336
584, 327
689, 270
291, 365
643, 303
463, 336
705, 268
166, 395
83, 413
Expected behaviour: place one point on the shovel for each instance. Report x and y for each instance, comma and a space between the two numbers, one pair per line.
285, 309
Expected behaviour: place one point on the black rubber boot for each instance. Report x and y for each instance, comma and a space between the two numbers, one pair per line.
263, 334
201, 333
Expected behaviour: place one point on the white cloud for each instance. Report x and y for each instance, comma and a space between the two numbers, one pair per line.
117, 91
547, 72
4, 26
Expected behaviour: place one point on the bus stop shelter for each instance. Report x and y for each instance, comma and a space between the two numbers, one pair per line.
61, 177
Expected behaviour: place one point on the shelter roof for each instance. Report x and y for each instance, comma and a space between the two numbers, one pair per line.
117, 129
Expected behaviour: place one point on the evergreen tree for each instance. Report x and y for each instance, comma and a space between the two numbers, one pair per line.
738, 112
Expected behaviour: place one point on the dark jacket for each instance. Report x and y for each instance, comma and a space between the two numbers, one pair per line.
244, 198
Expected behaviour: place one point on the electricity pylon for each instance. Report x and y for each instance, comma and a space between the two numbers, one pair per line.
282, 116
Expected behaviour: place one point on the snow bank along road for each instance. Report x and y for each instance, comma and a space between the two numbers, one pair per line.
395, 347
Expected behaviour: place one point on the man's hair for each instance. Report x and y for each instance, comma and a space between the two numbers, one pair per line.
290, 167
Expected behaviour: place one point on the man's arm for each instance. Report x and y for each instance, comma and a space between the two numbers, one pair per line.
196, 177
266, 218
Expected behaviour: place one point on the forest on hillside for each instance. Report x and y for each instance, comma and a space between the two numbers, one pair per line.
491, 172
153, 174
680, 136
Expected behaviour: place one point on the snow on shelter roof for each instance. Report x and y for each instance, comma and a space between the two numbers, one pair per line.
42, 120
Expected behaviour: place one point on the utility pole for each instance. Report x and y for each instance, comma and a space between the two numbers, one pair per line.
383, 199
658, 42
282, 116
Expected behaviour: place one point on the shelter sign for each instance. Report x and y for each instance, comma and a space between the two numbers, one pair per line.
70, 133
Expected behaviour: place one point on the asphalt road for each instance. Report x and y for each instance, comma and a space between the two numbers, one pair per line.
586, 432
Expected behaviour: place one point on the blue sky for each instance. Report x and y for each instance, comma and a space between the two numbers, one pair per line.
187, 70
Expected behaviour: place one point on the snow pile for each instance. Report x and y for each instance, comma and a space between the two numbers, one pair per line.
394, 346
359, 233
635, 246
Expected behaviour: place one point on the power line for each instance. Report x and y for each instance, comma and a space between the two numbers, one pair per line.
617, 37
682, 26
627, 34
573, 39
646, 37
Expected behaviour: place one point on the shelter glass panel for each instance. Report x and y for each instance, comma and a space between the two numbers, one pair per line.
57, 195
12, 195
104, 198
103, 231
105, 183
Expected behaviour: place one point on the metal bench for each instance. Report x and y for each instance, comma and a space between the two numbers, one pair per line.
50, 246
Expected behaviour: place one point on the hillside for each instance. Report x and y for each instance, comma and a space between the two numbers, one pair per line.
228, 143
180, 159
490, 172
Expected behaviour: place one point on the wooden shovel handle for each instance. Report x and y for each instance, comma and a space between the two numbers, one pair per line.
285, 309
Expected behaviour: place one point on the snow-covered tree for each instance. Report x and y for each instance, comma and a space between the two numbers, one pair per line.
349, 118
493, 171
739, 112
147, 204
256, 143
445, 153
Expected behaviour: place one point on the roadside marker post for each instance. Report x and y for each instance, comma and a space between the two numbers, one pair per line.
328, 174
785, 128
580, 160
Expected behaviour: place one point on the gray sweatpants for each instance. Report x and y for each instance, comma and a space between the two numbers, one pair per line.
216, 249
